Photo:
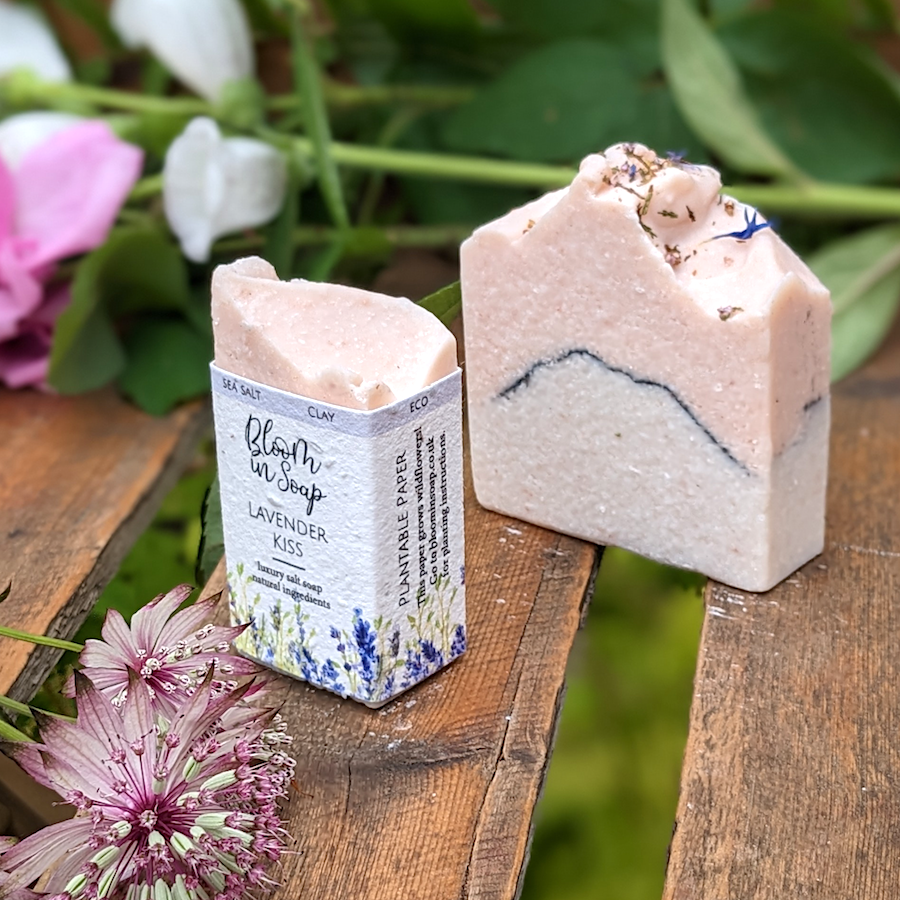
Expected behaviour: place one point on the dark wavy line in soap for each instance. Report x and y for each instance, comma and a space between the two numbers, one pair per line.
523, 381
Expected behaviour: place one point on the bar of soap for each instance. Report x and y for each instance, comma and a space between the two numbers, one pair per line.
329, 342
338, 417
647, 366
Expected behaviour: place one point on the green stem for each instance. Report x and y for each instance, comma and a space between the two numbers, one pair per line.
809, 199
348, 96
27, 710
439, 165
308, 84
46, 93
27, 91
360, 241
40, 639
821, 198
147, 187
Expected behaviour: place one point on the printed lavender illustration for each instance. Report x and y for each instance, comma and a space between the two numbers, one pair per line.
369, 660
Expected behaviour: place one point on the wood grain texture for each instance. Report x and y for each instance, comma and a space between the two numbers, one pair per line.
791, 780
432, 796
80, 479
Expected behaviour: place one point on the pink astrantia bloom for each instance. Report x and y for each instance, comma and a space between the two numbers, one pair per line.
60, 200
171, 651
186, 809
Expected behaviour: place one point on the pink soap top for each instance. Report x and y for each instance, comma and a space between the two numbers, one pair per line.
329, 342
666, 278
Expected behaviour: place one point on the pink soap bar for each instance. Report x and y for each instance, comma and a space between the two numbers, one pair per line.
648, 366
328, 342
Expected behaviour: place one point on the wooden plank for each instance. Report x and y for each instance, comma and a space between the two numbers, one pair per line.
432, 796
789, 786
80, 479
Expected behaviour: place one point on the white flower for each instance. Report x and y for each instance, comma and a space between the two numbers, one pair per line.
214, 186
205, 43
27, 41
20, 134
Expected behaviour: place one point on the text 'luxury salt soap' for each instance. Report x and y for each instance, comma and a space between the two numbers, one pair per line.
647, 366
339, 442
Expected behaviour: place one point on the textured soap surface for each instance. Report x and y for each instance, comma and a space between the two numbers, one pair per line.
648, 366
338, 418
329, 342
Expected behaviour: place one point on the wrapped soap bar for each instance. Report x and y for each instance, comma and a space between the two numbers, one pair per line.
647, 366
338, 434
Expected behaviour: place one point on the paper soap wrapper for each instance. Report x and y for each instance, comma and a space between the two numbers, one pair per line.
344, 535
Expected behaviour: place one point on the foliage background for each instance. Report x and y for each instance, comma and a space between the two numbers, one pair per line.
795, 100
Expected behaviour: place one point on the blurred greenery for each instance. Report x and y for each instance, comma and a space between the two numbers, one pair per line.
787, 97
606, 816
424, 113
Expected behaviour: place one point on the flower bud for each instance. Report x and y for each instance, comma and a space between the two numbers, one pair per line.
219, 781
28, 42
204, 43
214, 186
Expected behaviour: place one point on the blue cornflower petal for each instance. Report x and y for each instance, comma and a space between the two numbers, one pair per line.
752, 227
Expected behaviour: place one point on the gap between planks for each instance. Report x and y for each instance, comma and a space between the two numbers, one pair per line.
790, 780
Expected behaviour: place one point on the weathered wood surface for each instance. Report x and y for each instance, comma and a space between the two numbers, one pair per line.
432, 796
791, 781
80, 479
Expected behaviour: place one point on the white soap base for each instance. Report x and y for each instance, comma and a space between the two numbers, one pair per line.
705, 512
344, 534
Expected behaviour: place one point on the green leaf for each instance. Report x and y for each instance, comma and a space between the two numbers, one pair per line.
39, 639
556, 104
863, 274
629, 24
446, 303
418, 22
212, 538
136, 270
279, 248
26, 710
818, 95
86, 352
711, 97
851, 266
436, 202
315, 113
154, 131
883, 14
10, 733
858, 332
263, 19
168, 362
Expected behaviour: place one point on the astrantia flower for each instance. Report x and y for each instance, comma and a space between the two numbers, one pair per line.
60, 193
187, 811
205, 43
171, 651
214, 186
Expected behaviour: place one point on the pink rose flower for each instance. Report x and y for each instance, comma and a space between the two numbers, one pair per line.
60, 200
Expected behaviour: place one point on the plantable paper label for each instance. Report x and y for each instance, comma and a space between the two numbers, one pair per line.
344, 533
